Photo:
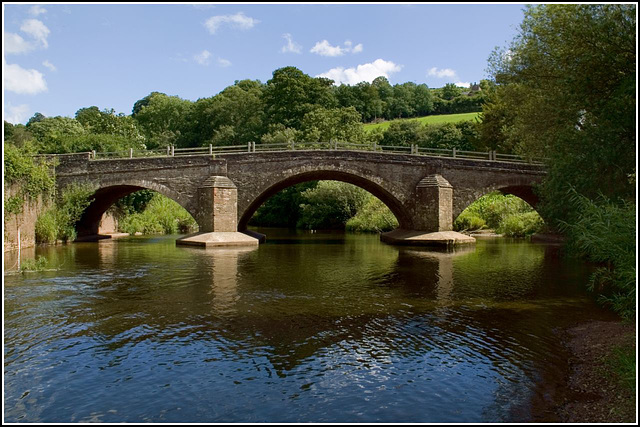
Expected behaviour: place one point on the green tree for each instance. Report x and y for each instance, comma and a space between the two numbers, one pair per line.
340, 124
291, 94
234, 116
107, 122
163, 119
403, 133
572, 76
330, 205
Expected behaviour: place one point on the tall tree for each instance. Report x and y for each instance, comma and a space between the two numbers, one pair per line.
571, 72
290, 94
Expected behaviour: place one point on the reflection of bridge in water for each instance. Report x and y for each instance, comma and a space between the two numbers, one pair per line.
223, 192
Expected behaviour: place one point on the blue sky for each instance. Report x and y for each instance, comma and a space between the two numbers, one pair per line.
58, 58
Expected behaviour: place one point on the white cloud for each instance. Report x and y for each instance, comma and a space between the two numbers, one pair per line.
224, 62
323, 48
443, 73
21, 81
362, 73
17, 114
37, 10
49, 65
463, 84
37, 30
239, 21
291, 45
13, 43
203, 58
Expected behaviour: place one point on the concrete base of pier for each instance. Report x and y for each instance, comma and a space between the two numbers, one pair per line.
217, 239
421, 238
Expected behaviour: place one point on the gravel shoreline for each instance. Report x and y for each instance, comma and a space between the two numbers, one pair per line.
589, 393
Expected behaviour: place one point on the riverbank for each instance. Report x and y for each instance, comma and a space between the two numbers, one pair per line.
592, 392
597, 395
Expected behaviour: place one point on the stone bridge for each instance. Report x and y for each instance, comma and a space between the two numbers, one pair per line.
425, 193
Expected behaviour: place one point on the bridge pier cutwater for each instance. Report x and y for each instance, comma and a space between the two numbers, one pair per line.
222, 192
218, 216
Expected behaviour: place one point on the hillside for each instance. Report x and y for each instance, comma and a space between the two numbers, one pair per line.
444, 118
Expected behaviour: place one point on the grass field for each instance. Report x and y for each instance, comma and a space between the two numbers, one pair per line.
445, 118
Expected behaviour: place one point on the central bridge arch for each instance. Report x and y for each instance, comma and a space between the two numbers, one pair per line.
375, 188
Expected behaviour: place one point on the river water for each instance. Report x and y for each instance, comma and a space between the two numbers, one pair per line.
309, 327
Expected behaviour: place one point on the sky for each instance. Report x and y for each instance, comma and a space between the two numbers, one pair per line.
58, 58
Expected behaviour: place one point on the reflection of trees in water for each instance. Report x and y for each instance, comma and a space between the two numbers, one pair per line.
381, 305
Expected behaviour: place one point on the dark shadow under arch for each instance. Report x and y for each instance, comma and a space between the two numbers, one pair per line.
103, 199
378, 191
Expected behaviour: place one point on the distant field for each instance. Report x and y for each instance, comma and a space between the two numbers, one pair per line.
444, 118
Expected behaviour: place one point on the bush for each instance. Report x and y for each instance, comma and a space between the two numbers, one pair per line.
47, 227
469, 221
521, 225
330, 205
161, 216
604, 232
58, 222
374, 216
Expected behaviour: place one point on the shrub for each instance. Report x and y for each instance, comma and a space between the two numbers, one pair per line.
374, 216
604, 232
46, 227
469, 221
162, 215
521, 224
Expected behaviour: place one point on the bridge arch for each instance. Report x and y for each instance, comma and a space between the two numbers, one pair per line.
110, 191
375, 188
524, 190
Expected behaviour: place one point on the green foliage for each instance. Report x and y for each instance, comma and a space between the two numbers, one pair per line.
506, 214
461, 135
330, 205
283, 208
13, 205
623, 364
161, 216
279, 134
58, 222
33, 176
291, 94
46, 227
521, 225
235, 116
339, 124
402, 133
468, 221
570, 78
374, 216
604, 232
30, 265
133, 203
107, 122
163, 119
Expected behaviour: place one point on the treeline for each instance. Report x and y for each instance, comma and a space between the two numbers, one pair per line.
566, 91
291, 106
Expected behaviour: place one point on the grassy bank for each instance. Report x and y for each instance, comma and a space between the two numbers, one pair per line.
444, 118
506, 214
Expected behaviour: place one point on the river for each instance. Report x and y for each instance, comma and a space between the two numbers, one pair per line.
309, 327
